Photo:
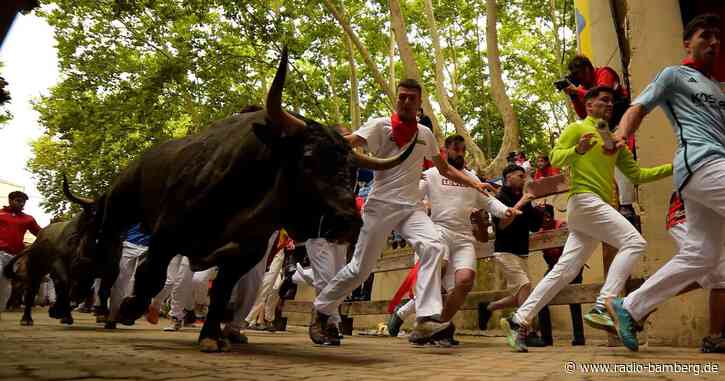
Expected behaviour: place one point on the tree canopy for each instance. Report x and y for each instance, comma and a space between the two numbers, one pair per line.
138, 72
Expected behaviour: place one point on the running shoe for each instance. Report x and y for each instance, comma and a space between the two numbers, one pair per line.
515, 334
625, 324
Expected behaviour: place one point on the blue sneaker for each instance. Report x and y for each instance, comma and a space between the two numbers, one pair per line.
395, 323
624, 323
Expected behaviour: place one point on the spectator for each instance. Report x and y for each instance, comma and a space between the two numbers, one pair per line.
544, 168
551, 256
424, 119
587, 77
13, 226
511, 247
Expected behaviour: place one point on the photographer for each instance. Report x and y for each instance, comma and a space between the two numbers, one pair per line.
584, 76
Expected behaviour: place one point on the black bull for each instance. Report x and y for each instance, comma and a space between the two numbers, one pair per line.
217, 196
54, 249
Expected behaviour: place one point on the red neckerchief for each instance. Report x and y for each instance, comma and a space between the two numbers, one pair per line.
697, 66
402, 131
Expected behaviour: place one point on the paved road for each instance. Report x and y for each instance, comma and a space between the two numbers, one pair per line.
85, 351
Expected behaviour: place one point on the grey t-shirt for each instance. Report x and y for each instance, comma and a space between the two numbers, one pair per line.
695, 106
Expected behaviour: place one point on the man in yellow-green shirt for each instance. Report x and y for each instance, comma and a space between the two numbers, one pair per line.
591, 218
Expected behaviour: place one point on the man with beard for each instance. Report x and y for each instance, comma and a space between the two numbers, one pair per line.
13, 225
451, 207
394, 204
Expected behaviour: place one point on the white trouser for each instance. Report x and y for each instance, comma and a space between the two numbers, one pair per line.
406, 309
715, 279
379, 219
303, 276
625, 188
704, 198
178, 285
123, 286
200, 286
461, 252
590, 222
267, 289
326, 259
6, 287
245, 291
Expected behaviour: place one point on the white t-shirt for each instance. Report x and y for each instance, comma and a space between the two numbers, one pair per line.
453, 203
398, 185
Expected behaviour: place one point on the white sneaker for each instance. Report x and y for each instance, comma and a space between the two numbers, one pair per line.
175, 325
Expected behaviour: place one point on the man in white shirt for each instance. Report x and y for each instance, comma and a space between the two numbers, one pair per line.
394, 204
451, 208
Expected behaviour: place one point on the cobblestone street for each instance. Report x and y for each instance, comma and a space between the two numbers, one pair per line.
49, 351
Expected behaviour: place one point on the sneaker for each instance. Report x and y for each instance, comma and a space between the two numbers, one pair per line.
624, 323
394, 323
318, 328
484, 315
515, 334
426, 328
713, 344
445, 338
152, 315
175, 325
599, 318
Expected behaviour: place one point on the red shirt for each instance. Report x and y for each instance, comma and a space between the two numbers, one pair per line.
12, 230
603, 76
547, 172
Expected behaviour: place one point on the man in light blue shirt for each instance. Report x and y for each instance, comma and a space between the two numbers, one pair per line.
695, 106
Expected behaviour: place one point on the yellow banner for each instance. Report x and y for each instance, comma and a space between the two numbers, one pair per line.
583, 27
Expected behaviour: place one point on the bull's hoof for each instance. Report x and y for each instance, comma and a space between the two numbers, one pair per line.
127, 322
132, 308
224, 345
57, 312
208, 345
110, 325
68, 320
101, 318
26, 322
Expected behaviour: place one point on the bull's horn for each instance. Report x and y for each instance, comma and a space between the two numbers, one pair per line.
378, 164
289, 123
73, 198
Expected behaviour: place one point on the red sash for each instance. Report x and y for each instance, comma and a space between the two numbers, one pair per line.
402, 131
697, 66
405, 288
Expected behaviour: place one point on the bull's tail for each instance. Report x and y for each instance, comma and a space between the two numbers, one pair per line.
9, 269
73, 198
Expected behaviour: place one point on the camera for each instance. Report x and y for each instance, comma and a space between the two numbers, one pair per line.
565, 82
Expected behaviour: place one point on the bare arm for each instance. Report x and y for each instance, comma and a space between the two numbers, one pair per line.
516, 211
630, 122
454, 174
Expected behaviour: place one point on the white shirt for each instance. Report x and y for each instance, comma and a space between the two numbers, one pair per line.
453, 203
397, 185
